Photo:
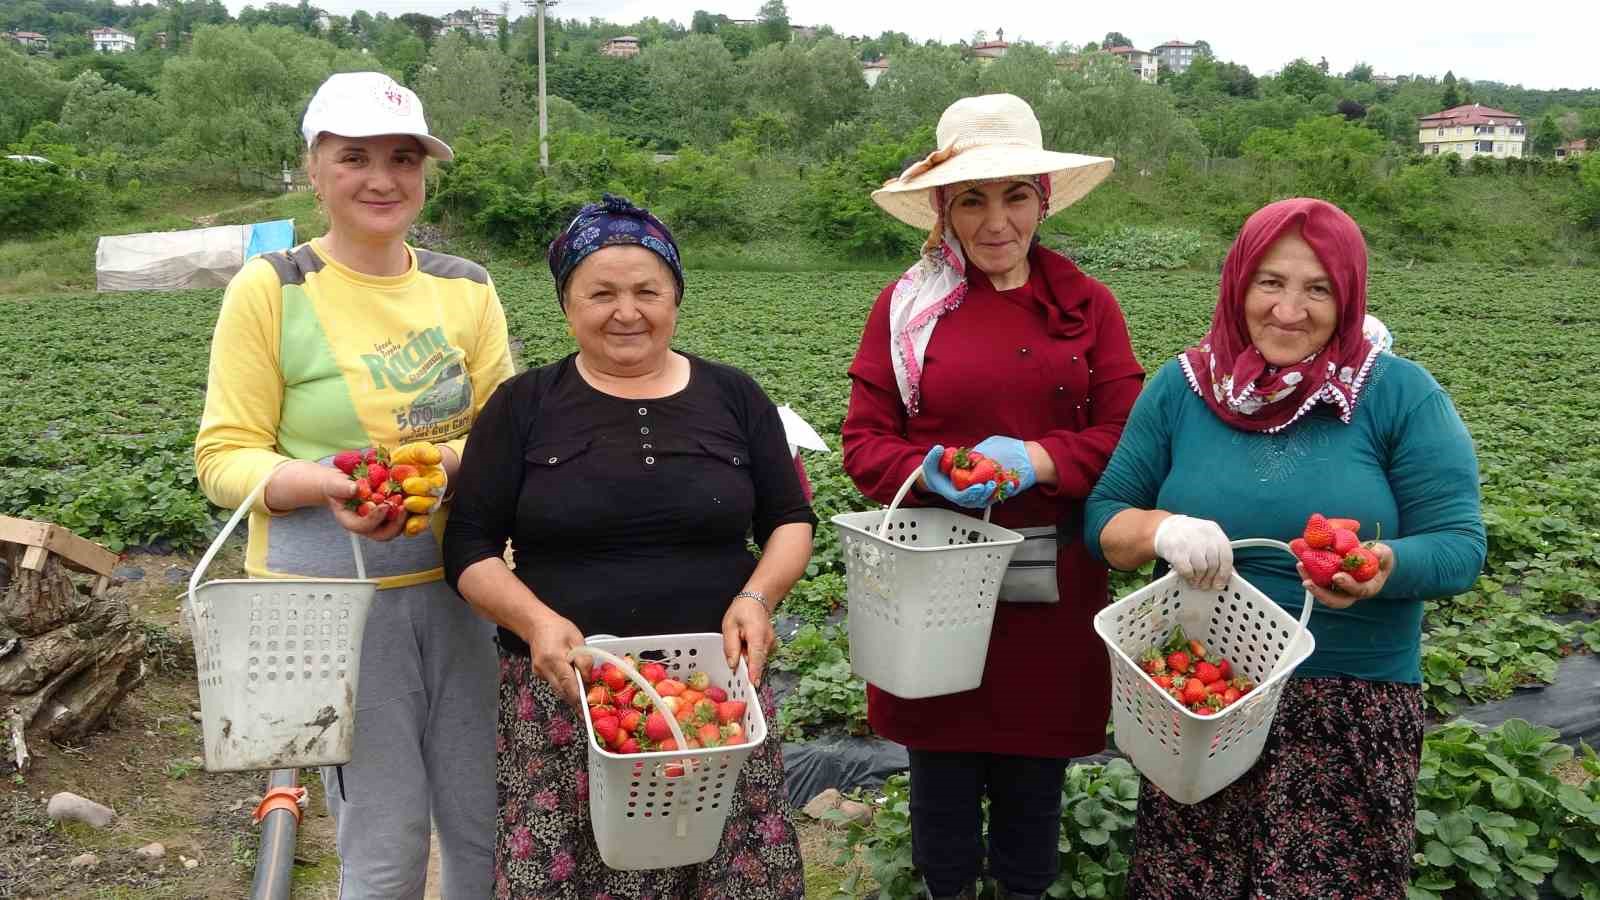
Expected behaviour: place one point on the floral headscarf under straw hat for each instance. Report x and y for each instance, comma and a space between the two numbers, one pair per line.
610, 223
935, 285
1227, 370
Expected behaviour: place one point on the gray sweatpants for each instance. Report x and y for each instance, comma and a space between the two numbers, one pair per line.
424, 750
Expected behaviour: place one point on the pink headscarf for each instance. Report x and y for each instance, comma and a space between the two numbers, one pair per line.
1227, 370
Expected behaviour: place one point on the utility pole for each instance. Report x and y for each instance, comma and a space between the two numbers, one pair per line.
544, 122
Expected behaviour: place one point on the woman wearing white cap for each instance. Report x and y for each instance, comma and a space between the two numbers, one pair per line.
355, 340
993, 341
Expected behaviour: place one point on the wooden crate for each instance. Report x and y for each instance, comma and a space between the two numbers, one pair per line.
76, 553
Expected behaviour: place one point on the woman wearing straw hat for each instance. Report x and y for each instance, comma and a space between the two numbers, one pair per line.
352, 340
1283, 409
993, 341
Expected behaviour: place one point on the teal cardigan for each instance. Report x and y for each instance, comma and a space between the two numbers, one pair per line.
1405, 462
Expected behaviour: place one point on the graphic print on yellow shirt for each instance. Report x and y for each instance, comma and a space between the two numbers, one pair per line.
360, 361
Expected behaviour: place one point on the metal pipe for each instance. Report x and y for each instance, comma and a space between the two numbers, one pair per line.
275, 854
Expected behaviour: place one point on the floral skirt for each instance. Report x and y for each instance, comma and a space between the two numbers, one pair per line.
544, 845
1327, 812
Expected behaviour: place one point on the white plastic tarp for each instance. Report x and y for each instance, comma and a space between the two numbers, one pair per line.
175, 260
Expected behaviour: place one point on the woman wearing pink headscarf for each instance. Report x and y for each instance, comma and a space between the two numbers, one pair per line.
1283, 409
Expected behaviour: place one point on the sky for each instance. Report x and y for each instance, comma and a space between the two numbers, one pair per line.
1538, 45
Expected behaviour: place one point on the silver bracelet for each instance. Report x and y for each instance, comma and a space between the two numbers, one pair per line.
758, 597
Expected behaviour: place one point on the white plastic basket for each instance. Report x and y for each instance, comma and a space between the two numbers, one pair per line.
1191, 757
668, 808
921, 587
278, 662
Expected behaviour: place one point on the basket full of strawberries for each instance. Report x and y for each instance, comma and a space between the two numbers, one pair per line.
669, 725
1196, 676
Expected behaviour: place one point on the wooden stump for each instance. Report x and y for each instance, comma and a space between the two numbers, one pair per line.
68, 653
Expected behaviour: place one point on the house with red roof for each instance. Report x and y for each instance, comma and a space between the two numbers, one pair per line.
1176, 56
986, 52
1473, 130
1572, 149
1142, 62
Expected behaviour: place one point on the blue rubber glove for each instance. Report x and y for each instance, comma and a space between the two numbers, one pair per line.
1010, 453
975, 496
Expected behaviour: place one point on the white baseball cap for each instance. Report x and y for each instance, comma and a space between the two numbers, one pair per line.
368, 104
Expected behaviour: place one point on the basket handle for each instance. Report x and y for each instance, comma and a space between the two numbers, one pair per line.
1305, 608
233, 522
643, 684
905, 488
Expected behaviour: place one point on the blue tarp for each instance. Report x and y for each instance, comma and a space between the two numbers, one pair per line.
268, 236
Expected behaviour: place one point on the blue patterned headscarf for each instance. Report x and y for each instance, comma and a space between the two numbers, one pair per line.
609, 223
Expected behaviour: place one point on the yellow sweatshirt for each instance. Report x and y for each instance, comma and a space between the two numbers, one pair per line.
309, 358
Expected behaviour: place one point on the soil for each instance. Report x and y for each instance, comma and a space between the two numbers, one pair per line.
146, 766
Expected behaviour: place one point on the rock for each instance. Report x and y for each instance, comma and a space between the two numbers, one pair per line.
128, 573
177, 574
85, 861
191, 863
821, 803
70, 807
855, 811
151, 851
198, 760
195, 715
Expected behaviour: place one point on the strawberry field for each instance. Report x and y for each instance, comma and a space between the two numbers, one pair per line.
104, 393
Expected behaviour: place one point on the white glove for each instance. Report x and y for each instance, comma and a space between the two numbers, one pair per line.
1197, 550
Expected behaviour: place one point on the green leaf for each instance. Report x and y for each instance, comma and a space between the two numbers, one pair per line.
1507, 791
1438, 854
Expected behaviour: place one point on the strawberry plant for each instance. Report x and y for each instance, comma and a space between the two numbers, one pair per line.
828, 694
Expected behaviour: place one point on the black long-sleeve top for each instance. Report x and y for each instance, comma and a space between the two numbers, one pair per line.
628, 517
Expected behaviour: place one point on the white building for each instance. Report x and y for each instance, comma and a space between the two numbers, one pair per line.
1142, 62
31, 40
1473, 130
623, 45
111, 40
1176, 56
874, 70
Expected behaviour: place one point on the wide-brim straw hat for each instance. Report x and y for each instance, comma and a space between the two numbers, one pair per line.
987, 137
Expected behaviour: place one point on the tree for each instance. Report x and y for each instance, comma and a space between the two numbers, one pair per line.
693, 82
426, 28
100, 116
774, 23
738, 40
31, 95
1203, 48
920, 83
463, 83
1360, 72
1115, 39
1351, 110
1585, 201
705, 22
1334, 159
1451, 98
809, 88
1322, 65
1303, 80
1547, 136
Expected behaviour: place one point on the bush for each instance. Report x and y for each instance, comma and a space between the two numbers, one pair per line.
1137, 248
37, 198
1482, 165
1585, 202
838, 208
701, 193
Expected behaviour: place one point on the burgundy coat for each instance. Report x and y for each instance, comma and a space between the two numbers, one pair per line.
1050, 362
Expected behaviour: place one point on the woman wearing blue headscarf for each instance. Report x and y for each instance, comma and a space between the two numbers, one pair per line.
627, 477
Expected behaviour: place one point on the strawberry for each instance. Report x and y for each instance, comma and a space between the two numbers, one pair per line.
606, 729
598, 695
1197, 649
370, 456
594, 674
730, 711
670, 704
1164, 681
1231, 696
630, 720
671, 771
1299, 547
365, 508
641, 701
684, 714
668, 687
706, 711
948, 460
363, 491
1242, 684
613, 677
630, 745
732, 733
1344, 540
1225, 669
699, 681
1153, 662
392, 512
377, 475
1317, 534
1362, 564
961, 479
1202, 710
691, 696
625, 696
1350, 525
656, 727
1322, 565
1207, 672
603, 711
347, 460
653, 672
1194, 691
1178, 662
984, 471
709, 735
1216, 687
716, 694
399, 473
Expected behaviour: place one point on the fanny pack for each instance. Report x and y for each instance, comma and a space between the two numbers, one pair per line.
1031, 575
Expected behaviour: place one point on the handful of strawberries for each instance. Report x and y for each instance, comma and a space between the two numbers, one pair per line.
408, 482
1330, 546
1202, 683
966, 467
626, 721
